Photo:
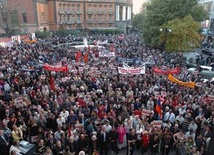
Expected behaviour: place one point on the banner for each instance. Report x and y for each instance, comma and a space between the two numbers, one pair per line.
107, 54
127, 60
167, 71
56, 68
132, 71
146, 112
186, 84
157, 123
16, 39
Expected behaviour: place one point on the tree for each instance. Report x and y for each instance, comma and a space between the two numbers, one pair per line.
135, 21
9, 19
184, 35
159, 12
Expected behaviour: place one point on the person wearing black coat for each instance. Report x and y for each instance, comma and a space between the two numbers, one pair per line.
4, 143
83, 143
72, 144
113, 140
103, 141
58, 149
154, 144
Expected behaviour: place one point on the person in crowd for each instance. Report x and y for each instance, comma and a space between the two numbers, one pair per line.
17, 134
179, 139
103, 140
113, 139
58, 149
145, 141
122, 139
40, 147
83, 143
132, 138
4, 143
167, 141
154, 142
15, 148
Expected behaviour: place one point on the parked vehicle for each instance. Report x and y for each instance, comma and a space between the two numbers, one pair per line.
200, 68
208, 50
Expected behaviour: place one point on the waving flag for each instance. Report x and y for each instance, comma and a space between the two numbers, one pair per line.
78, 56
86, 57
158, 107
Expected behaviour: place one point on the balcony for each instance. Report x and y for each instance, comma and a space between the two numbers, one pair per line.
70, 22
61, 12
111, 12
90, 21
111, 21
100, 12
78, 12
90, 12
79, 21
69, 12
101, 21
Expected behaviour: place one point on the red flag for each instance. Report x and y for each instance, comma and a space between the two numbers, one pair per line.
86, 57
78, 56
52, 85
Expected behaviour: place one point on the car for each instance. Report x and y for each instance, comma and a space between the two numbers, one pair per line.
201, 68
208, 51
190, 64
206, 74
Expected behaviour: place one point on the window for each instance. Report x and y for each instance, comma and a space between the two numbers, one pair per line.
43, 17
68, 18
89, 17
24, 17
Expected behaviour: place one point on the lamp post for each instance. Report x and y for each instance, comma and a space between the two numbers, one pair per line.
166, 31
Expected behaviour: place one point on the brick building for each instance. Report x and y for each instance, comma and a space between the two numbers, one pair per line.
72, 14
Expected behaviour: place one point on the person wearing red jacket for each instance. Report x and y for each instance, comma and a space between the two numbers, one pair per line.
145, 141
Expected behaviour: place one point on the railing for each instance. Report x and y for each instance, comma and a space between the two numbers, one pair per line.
70, 22
90, 21
78, 12
100, 12
69, 12
90, 12
79, 21
61, 12
111, 12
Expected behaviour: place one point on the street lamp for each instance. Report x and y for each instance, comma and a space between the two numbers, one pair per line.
165, 30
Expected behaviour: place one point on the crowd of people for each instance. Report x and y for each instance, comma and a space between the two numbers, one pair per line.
79, 113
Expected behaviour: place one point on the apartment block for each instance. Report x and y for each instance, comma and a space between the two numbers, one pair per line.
42, 15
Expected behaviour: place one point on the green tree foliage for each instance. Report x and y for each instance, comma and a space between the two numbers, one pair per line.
184, 35
136, 21
159, 12
9, 19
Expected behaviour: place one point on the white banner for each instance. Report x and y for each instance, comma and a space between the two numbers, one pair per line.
132, 71
157, 123
16, 39
106, 54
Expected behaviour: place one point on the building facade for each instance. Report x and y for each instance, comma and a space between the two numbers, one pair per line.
123, 14
41, 15
208, 25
